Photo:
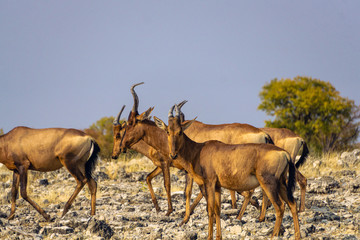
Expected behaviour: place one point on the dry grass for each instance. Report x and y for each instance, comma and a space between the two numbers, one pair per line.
113, 168
327, 164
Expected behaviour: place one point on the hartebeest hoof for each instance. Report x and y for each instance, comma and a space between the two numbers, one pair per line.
46, 216
169, 212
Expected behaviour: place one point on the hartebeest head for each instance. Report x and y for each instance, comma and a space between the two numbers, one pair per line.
175, 130
126, 134
132, 133
119, 128
118, 132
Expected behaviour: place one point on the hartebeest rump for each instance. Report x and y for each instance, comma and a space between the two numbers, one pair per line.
237, 167
49, 149
291, 142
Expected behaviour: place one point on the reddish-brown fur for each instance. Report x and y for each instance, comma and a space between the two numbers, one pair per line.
162, 162
44, 150
234, 133
237, 167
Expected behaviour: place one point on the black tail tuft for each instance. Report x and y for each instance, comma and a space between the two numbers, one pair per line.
291, 182
304, 155
91, 163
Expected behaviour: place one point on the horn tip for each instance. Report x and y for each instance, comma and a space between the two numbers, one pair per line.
137, 84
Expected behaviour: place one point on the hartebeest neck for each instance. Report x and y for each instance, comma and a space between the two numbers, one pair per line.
155, 137
190, 151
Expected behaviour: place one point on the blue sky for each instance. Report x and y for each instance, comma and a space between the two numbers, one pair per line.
70, 63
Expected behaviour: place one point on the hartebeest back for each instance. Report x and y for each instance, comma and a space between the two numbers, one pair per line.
237, 167
49, 149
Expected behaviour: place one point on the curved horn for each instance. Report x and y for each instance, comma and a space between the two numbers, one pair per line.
136, 98
171, 112
117, 119
181, 104
182, 115
177, 111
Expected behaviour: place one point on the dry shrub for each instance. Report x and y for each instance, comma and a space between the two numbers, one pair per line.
5, 174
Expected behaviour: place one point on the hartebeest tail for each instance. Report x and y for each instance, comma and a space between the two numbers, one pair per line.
91, 162
303, 156
291, 182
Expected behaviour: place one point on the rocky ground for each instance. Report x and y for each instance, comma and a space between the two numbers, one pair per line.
125, 210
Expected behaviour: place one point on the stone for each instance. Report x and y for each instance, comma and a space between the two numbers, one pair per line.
44, 182
100, 228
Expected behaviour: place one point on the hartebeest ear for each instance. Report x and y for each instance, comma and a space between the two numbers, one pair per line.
160, 123
145, 115
184, 126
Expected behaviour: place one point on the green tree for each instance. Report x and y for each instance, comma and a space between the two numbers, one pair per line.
1, 131
313, 109
101, 131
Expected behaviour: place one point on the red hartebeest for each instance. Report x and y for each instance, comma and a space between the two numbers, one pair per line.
146, 130
162, 162
291, 142
234, 133
45, 150
229, 133
241, 167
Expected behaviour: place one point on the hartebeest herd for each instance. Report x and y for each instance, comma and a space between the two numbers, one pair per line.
238, 157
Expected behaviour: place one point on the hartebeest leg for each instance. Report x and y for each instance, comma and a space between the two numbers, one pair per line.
302, 182
217, 212
293, 209
188, 191
166, 173
247, 196
264, 205
23, 184
92, 188
149, 177
210, 197
14, 193
270, 186
233, 199
79, 186
80, 182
